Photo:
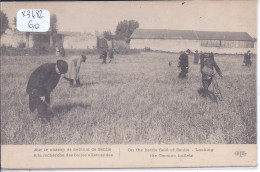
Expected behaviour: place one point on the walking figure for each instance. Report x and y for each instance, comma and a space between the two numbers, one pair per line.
104, 56
207, 70
111, 55
247, 59
184, 64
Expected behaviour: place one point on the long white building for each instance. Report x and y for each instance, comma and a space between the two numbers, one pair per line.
180, 40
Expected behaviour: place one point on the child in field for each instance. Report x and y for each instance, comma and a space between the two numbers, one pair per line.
74, 64
207, 66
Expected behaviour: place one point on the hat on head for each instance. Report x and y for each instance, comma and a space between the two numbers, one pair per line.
188, 51
62, 66
84, 58
248, 51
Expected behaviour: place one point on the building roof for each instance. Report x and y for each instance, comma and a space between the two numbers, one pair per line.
190, 35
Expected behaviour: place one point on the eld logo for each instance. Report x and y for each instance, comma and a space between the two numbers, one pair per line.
240, 153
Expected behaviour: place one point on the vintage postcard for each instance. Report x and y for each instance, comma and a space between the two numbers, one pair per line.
128, 84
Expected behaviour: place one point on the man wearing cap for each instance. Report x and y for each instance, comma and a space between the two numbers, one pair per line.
40, 85
74, 67
184, 64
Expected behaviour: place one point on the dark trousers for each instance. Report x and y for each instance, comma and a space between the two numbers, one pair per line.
206, 83
42, 107
183, 73
104, 60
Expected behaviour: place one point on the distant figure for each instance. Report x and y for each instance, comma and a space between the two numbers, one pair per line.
207, 70
62, 51
184, 64
57, 51
247, 59
74, 64
200, 57
104, 56
40, 85
111, 55
196, 57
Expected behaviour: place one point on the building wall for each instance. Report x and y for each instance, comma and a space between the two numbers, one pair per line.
79, 42
171, 45
12, 39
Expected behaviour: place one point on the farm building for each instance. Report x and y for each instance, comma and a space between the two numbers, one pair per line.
179, 40
70, 40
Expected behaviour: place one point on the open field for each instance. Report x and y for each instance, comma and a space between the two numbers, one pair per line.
138, 100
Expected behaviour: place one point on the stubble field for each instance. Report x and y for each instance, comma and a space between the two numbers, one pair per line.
138, 100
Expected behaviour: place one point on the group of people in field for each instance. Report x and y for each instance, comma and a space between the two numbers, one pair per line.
45, 78
107, 52
207, 66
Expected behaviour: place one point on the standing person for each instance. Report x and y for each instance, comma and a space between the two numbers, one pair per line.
74, 64
111, 55
184, 64
57, 51
62, 51
247, 59
196, 57
104, 56
207, 70
40, 85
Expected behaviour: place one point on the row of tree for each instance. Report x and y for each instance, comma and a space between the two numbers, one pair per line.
123, 31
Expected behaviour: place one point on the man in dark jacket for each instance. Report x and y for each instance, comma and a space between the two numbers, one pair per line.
40, 85
104, 56
207, 70
184, 64
247, 59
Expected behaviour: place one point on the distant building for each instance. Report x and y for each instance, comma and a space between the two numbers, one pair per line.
69, 40
179, 40
76, 40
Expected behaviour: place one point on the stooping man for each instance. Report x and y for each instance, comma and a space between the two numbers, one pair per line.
40, 85
74, 64
207, 70
184, 64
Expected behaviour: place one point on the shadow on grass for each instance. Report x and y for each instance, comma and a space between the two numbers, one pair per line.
68, 107
89, 84
208, 94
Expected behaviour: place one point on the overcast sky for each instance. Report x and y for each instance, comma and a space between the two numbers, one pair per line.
238, 16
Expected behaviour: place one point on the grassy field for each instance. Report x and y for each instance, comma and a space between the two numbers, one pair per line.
138, 100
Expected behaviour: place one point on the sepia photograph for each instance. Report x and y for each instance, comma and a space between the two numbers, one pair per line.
129, 73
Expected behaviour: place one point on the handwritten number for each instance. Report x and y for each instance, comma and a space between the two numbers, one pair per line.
39, 13
23, 13
28, 13
33, 15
